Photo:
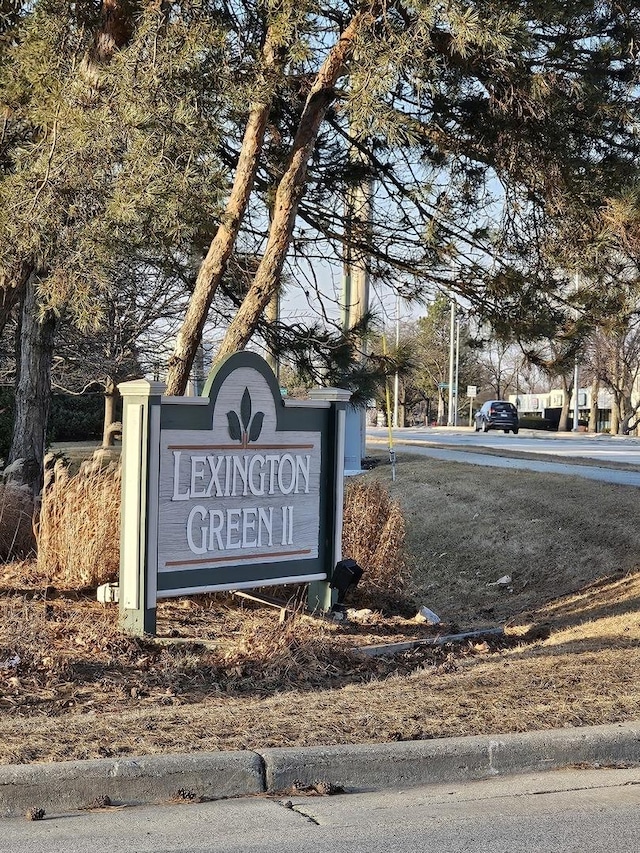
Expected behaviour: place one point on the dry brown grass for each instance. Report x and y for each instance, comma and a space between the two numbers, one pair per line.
299, 684
79, 526
468, 526
373, 535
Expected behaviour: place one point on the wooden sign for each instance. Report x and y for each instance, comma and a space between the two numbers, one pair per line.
236, 489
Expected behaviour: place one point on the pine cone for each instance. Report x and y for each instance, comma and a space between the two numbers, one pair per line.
35, 814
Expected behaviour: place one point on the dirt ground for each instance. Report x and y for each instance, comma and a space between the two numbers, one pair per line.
225, 674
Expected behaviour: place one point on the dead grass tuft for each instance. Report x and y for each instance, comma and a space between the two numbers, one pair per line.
373, 535
79, 527
298, 653
16, 521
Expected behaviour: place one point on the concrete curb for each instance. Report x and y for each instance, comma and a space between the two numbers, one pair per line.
411, 763
72, 785
69, 785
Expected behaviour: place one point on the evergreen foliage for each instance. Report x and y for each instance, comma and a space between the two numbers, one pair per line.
500, 136
451, 104
106, 164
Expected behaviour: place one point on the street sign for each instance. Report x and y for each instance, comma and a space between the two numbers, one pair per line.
442, 386
472, 390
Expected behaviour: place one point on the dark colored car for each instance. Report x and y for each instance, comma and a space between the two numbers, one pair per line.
497, 414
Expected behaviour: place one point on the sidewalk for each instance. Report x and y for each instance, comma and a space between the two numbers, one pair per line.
72, 785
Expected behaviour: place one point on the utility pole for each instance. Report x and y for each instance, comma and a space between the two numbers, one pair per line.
455, 410
452, 345
355, 300
396, 378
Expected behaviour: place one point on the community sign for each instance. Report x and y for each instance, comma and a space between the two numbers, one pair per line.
235, 489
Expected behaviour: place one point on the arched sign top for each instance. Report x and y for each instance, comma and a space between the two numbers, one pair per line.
246, 400
251, 361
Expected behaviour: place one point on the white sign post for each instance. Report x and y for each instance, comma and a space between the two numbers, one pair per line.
472, 392
236, 489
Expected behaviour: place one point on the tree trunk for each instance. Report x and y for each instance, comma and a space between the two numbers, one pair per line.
593, 411
33, 390
633, 421
110, 426
214, 265
290, 190
628, 412
615, 416
11, 290
622, 412
116, 29
563, 423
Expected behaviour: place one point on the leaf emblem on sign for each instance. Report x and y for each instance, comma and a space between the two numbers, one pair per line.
235, 431
248, 426
256, 426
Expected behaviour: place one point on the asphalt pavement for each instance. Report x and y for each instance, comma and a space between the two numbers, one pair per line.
461, 444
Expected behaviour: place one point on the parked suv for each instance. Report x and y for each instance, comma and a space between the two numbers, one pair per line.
497, 414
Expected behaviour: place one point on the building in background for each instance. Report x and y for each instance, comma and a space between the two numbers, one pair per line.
548, 405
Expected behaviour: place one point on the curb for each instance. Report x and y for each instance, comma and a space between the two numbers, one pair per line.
72, 785
410, 763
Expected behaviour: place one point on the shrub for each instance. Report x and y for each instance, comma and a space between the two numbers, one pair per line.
538, 423
79, 529
71, 418
373, 535
76, 418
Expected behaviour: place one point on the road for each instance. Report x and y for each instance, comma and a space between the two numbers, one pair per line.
558, 812
597, 451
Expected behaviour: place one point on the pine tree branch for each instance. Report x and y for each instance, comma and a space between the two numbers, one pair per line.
47, 173
291, 185
213, 267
